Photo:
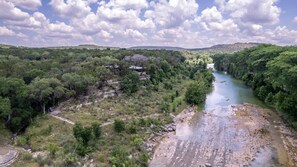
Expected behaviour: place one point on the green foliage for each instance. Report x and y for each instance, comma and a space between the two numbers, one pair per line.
164, 106
70, 160
119, 125
132, 128
120, 157
96, 130
196, 93
53, 149
21, 141
35, 79
136, 141
5, 108
130, 83
82, 134
270, 70
85, 137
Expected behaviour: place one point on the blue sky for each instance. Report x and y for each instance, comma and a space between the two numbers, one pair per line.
125, 23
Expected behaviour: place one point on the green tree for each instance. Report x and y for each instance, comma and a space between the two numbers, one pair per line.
5, 109
130, 83
46, 90
196, 93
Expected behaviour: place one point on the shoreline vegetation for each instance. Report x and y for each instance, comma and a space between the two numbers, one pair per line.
270, 71
116, 98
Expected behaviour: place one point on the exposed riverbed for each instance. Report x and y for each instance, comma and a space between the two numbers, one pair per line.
235, 129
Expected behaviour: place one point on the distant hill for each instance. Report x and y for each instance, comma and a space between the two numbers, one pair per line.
83, 46
227, 48
5, 46
222, 48
157, 48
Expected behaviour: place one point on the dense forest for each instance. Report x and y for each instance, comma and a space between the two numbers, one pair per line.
271, 71
35, 80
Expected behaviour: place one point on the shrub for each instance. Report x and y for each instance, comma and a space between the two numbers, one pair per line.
52, 148
82, 134
25, 155
164, 106
130, 83
196, 93
143, 159
119, 125
21, 141
96, 130
132, 128
70, 160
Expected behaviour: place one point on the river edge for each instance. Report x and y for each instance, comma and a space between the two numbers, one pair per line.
156, 138
269, 138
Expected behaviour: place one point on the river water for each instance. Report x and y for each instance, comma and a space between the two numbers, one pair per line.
220, 136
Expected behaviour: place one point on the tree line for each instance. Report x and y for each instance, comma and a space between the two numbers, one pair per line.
270, 70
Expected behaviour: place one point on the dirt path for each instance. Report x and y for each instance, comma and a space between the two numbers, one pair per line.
238, 136
63, 119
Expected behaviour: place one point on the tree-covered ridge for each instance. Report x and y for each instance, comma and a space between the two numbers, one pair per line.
33, 80
270, 70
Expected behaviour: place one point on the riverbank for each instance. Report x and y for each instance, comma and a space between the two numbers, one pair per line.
239, 135
169, 131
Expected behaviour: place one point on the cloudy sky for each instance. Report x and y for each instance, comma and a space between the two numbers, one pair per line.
124, 23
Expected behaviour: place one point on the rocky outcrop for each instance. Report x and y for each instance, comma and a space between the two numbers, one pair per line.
9, 158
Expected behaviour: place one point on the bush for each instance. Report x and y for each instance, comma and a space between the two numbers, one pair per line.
137, 141
25, 155
119, 125
83, 149
132, 128
21, 141
70, 160
130, 83
143, 159
196, 93
52, 148
96, 130
164, 106
82, 134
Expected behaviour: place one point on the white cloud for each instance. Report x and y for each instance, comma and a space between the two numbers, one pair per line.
282, 35
4, 31
10, 12
134, 34
252, 11
129, 18
172, 13
128, 4
212, 20
143, 22
32, 22
27, 4
60, 27
71, 8
106, 36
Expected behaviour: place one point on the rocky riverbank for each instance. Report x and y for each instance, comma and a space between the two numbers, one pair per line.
239, 135
168, 130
